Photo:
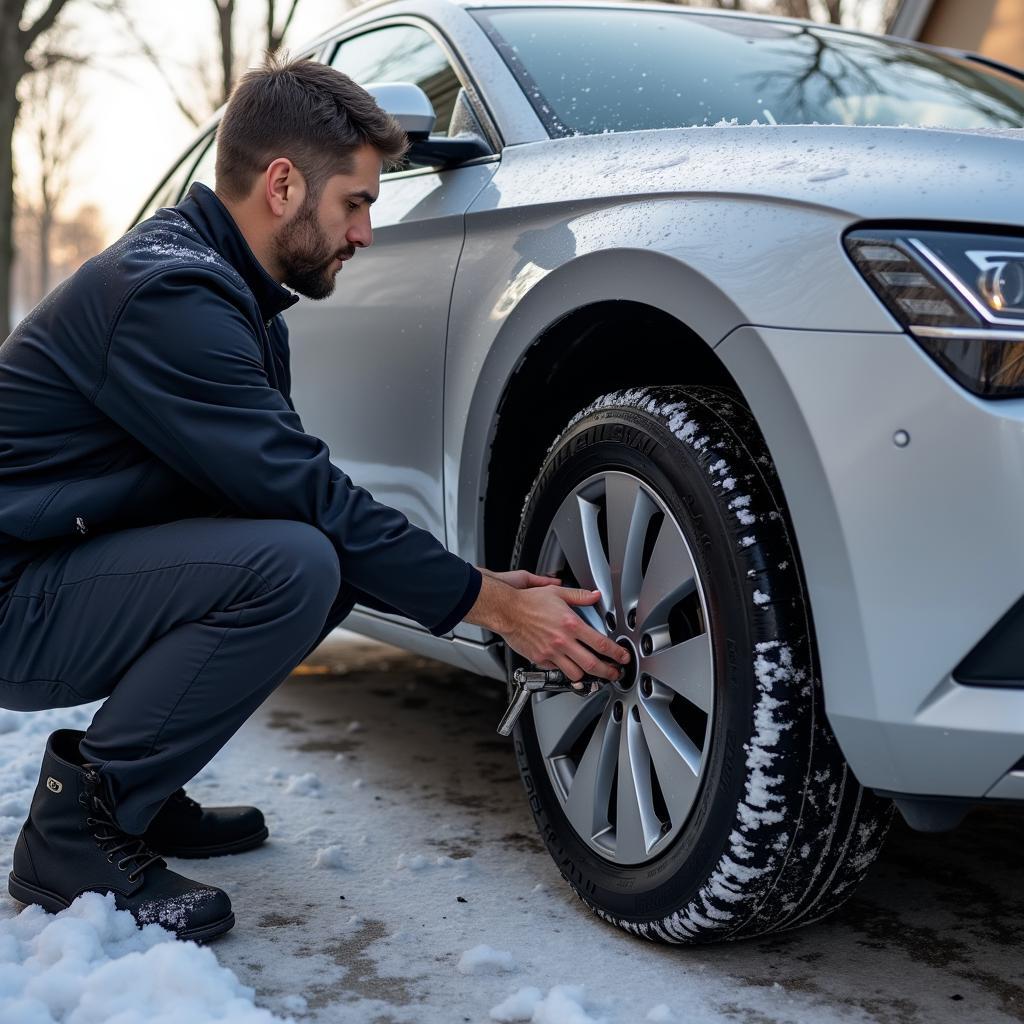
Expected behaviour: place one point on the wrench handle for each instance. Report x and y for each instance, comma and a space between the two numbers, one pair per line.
515, 709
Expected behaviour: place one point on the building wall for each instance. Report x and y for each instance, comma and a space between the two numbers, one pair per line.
992, 27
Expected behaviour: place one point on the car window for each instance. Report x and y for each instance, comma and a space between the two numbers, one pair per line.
402, 53
590, 71
172, 188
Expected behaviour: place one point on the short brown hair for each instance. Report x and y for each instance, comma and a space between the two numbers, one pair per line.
307, 111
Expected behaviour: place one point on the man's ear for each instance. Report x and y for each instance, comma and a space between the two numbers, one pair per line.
284, 186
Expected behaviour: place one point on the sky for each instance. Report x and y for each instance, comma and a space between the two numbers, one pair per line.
134, 131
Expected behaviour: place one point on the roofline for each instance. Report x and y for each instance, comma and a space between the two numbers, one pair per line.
319, 40
908, 10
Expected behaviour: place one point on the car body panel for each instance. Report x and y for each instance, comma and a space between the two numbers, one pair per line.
386, 322
826, 369
910, 554
642, 216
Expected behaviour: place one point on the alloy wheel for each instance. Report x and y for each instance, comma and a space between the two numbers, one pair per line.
626, 762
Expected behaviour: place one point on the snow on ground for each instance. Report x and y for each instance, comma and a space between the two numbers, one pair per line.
404, 882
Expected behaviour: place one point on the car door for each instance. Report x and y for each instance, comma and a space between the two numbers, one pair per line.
368, 362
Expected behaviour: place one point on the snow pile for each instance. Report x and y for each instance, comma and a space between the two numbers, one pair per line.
295, 1004
483, 960
329, 857
306, 784
660, 1014
564, 1004
91, 964
519, 1006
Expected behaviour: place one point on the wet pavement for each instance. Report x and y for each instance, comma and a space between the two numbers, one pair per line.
400, 838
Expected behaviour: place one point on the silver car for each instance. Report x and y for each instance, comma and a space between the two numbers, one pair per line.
721, 315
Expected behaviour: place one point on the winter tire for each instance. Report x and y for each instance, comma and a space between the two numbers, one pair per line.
704, 797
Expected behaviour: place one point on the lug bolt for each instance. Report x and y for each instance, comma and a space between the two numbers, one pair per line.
617, 711
646, 687
636, 713
610, 621
631, 618
646, 643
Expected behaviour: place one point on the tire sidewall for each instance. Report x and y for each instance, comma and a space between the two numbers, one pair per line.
636, 442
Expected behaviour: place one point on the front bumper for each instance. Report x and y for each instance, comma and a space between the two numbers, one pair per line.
912, 554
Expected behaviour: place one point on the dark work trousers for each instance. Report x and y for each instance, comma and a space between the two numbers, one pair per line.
185, 627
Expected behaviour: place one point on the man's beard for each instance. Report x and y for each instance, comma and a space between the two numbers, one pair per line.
304, 253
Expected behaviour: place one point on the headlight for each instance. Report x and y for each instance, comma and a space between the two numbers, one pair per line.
960, 295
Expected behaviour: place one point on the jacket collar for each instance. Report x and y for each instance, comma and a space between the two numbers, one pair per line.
218, 228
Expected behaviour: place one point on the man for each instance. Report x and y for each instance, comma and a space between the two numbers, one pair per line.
171, 539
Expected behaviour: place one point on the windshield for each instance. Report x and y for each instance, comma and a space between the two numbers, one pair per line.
593, 70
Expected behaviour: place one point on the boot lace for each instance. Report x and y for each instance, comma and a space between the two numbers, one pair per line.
183, 798
110, 837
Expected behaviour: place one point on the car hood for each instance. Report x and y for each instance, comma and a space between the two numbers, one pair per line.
864, 172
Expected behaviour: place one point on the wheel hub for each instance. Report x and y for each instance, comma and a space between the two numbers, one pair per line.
629, 671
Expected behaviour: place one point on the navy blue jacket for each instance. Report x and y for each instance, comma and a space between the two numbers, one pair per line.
153, 384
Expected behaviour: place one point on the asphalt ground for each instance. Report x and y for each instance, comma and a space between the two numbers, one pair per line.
401, 838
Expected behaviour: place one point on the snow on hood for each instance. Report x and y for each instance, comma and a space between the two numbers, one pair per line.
864, 171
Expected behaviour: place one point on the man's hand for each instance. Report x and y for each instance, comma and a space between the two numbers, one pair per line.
520, 579
534, 616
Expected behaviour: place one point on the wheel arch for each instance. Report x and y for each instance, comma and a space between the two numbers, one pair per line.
569, 363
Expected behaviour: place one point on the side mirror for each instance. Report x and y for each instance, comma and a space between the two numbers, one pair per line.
408, 104
411, 107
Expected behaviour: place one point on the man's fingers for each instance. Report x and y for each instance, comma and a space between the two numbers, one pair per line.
593, 665
543, 581
569, 669
602, 644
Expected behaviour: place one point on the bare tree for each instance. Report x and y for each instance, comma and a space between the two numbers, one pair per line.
195, 91
23, 50
52, 117
75, 236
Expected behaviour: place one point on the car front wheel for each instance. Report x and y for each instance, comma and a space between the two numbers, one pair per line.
703, 797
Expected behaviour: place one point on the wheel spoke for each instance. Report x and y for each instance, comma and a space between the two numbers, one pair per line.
676, 757
586, 806
575, 526
628, 511
637, 827
560, 718
670, 576
685, 668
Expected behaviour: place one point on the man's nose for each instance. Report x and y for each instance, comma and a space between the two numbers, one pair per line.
360, 234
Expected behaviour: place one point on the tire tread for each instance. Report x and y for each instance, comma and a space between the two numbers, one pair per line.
838, 825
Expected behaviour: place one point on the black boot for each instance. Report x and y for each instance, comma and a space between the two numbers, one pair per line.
182, 828
70, 844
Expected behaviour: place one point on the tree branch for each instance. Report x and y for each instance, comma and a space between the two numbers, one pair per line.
278, 38
154, 58
45, 21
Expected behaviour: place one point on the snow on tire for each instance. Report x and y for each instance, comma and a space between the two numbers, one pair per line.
680, 809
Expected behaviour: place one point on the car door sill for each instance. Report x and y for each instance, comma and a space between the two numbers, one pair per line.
484, 659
